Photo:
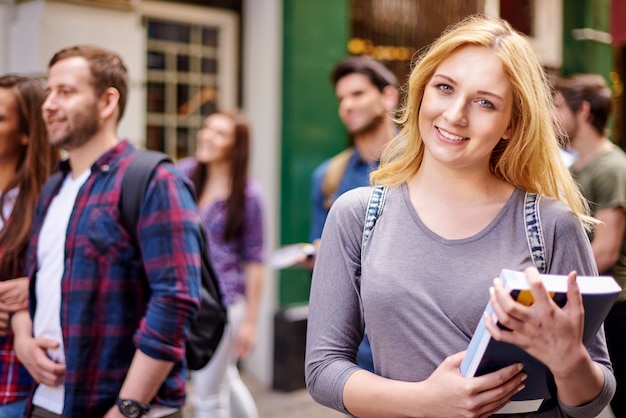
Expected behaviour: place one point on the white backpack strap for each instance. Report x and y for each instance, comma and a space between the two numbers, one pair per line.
374, 210
534, 231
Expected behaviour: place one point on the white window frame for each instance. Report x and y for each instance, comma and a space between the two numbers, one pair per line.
227, 23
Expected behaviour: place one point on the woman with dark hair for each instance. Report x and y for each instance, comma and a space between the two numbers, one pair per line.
231, 208
26, 161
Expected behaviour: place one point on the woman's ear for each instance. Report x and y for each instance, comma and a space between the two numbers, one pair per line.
507, 134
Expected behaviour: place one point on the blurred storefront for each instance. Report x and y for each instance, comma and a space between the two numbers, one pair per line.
617, 25
594, 40
318, 34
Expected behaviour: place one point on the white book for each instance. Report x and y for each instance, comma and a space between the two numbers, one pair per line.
290, 255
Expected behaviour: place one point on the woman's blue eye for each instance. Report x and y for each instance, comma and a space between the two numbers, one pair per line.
486, 103
444, 87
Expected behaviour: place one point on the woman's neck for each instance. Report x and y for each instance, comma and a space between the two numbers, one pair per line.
218, 184
370, 144
458, 185
454, 204
219, 170
8, 169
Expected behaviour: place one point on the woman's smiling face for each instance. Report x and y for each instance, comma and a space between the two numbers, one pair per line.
466, 109
12, 141
215, 139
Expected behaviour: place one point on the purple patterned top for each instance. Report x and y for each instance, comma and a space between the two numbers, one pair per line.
230, 257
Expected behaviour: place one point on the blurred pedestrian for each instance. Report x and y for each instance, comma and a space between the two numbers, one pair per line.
367, 94
584, 103
26, 161
477, 135
108, 315
231, 207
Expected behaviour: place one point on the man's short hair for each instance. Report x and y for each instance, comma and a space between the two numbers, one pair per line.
379, 75
107, 70
590, 88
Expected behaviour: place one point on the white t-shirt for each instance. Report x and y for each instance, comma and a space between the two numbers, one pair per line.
9, 204
51, 265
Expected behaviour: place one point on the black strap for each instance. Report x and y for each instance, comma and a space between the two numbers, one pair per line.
134, 185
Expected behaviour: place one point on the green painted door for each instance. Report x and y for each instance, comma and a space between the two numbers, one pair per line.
315, 38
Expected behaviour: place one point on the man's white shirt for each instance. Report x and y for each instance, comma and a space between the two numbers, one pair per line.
51, 265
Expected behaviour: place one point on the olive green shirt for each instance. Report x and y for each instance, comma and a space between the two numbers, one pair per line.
603, 183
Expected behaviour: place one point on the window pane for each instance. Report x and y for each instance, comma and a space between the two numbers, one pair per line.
156, 97
169, 31
156, 60
209, 66
182, 63
155, 138
208, 107
182, 139
182, 99
209, 36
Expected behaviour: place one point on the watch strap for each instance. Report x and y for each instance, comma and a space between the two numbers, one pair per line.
131, 408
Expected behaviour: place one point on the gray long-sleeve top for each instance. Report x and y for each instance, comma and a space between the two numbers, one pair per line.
421, 295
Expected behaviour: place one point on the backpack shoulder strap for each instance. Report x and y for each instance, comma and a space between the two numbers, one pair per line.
334, 173
374, 210
134, 185
534, 231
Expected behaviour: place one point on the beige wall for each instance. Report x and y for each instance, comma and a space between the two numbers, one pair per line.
39, 28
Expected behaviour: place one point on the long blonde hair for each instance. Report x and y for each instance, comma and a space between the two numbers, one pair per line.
530, 159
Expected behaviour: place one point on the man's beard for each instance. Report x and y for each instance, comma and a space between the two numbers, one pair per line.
373, 125
85, 126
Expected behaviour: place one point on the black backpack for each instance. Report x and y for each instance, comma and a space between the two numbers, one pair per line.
207, 329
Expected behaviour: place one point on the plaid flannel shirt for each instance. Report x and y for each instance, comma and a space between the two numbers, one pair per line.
116, 297
15, 382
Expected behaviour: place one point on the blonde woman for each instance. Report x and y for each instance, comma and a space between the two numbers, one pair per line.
477, 133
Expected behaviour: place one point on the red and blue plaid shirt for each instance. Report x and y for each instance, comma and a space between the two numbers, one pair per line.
15, 382
116, 297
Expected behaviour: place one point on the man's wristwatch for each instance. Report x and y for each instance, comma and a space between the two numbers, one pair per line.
132, 409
